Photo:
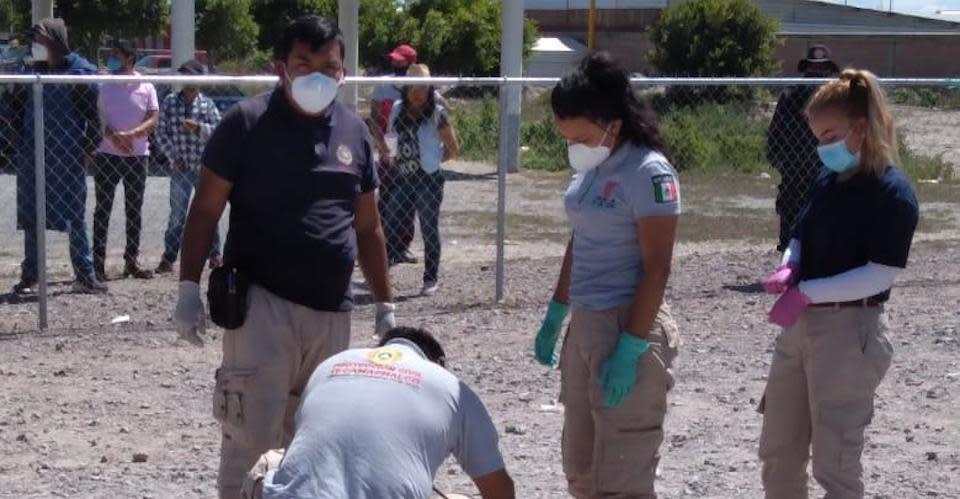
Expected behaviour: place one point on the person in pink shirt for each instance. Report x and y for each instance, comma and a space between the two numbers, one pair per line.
129, 114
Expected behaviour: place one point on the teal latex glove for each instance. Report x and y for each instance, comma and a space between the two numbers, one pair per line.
619, 372
544, 348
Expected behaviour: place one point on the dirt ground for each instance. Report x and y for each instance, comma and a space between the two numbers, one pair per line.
81, 404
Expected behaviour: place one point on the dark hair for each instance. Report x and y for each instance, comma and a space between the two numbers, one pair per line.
192, 67
125, 47
423, 339
428, 108
313, 30
599, 90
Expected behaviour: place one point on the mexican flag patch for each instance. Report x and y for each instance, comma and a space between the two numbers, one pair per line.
665, 189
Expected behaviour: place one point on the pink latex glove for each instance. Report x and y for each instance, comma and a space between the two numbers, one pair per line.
789, 307
783, 278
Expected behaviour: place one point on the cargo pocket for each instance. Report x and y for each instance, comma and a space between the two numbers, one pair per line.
845, 423
877, 350
228, 401
627, 464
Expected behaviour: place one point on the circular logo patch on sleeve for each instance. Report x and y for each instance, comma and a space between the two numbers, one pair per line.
344, 156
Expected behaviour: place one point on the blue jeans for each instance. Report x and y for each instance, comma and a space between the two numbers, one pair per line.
424, 192
80, 255
181, 187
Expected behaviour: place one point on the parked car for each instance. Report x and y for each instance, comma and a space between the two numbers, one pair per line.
156, 64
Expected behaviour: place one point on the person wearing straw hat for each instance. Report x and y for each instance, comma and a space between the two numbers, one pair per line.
419, 137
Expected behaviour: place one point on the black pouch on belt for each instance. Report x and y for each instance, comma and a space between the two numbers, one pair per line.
227, 295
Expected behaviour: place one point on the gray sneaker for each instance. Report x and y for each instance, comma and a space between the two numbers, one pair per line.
429, 288
89, 286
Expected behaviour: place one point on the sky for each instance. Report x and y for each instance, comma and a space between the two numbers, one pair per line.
918, 7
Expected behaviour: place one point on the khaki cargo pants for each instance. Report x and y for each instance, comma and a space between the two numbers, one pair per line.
613, 453
266, 365
825, 372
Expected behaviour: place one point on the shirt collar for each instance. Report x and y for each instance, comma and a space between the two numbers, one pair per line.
619, 156
198, 97
405, 343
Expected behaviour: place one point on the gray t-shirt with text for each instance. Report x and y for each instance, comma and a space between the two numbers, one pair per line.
378, 423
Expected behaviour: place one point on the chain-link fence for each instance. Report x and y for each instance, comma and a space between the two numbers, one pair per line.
446, 207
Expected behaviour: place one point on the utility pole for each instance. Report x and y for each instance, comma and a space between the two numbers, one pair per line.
40, 9
348, 19
182, 32
592, 25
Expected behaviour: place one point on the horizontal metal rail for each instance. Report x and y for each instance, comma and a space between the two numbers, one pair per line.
215, 80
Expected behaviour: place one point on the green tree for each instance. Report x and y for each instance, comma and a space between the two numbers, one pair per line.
273, 16
380, 21
15, 15
460, 36
91, 22
714, 38
452, 36
227, 29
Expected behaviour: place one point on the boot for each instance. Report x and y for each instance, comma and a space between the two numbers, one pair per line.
165, 267
132, 268
99, 266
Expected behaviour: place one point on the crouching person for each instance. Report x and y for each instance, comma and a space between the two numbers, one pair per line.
378, 423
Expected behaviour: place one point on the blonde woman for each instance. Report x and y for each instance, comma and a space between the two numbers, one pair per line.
850, 242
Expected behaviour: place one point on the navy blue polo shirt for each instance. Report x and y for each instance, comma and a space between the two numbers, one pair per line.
295, 180
863, 219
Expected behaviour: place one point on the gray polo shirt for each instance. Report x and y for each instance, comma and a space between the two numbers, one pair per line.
378, 423
603, 206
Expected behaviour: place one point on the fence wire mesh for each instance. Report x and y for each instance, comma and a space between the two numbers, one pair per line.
436, 147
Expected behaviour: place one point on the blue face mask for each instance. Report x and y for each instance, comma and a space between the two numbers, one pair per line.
837, 157
114, 64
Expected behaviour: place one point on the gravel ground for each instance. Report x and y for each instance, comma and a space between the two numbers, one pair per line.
81, 404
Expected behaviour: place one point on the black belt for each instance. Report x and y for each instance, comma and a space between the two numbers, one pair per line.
865, 302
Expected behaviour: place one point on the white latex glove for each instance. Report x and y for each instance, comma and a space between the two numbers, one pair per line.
385, 319
190, 317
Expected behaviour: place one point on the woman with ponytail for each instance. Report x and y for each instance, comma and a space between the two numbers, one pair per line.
849, 243
623, 204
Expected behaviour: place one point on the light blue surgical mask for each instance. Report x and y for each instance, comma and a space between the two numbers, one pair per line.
837, 157
114, 64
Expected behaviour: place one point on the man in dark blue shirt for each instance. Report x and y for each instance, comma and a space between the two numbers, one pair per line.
297, 169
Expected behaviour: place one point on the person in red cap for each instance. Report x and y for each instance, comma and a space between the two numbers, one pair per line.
381, 103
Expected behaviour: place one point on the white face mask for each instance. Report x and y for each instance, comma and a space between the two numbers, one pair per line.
39, 52
584, 158
313, 92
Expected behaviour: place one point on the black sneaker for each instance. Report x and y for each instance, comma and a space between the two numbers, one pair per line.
89, 286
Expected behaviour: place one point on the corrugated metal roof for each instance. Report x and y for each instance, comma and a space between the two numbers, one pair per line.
859, 30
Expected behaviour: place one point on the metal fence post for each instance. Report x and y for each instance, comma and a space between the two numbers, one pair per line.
503, 160
39, 160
